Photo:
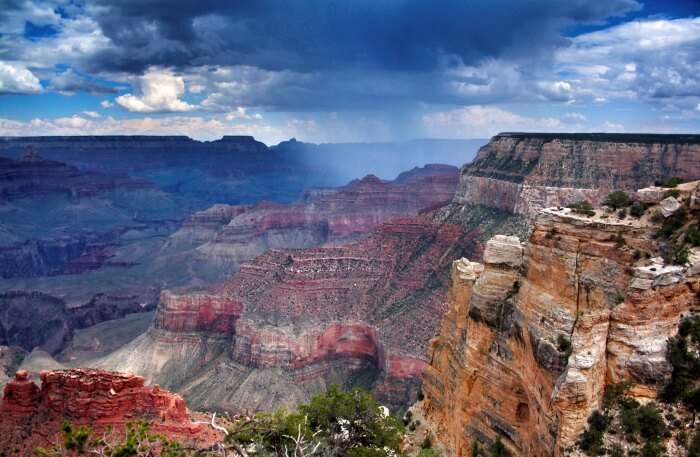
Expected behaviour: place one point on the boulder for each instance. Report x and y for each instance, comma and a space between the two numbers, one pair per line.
502, 249
467, 269
651, 194
669, 206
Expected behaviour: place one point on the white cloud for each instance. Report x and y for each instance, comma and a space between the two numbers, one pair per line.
484, 121
657, 61
92, 114
17, 79
612, 127
574, 117
242, 113
197, 127
106, 104
158, 91
196, 88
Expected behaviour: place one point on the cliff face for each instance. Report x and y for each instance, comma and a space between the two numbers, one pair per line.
226, 235
290, 322
522, 173
31, 415
534, 334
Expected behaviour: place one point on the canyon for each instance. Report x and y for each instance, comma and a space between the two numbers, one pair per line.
351, 285
100, 239
363, 313
293, 321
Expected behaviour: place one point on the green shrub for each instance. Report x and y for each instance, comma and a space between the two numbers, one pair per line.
475, 449
657, 217
694, 448
622, 214
675, 193
614, 393
563, 344
692, 235
591, 440
582, 207
345, 423
638, 209
617, 200
619, 240
672, 223
653, 449
498, 449
676, 254
617, 451
691, 399
651, 424
673, 182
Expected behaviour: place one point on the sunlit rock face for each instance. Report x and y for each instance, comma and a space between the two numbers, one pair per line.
525, 350
522, 173
30, 415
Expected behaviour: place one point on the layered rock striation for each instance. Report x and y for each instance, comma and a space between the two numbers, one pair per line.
292, 321
226, 235
31, 415
533, 335
525, 172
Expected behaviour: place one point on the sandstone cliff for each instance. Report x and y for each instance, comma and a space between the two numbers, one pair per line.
30, 415
533, 335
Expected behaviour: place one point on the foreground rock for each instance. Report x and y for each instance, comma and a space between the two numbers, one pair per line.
31, 415
525, 351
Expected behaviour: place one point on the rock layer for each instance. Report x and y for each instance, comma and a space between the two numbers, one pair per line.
525, 352
31, 415
525, 172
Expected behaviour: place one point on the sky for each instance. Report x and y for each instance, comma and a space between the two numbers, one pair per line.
348, 71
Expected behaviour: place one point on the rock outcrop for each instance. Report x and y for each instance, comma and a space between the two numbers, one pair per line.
525, 172
526, 349
30, 415
291, 322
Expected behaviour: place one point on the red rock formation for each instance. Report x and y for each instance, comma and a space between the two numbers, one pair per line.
366, 309
31, 415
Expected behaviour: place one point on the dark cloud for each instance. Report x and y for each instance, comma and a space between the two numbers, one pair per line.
320, 35
70, 82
